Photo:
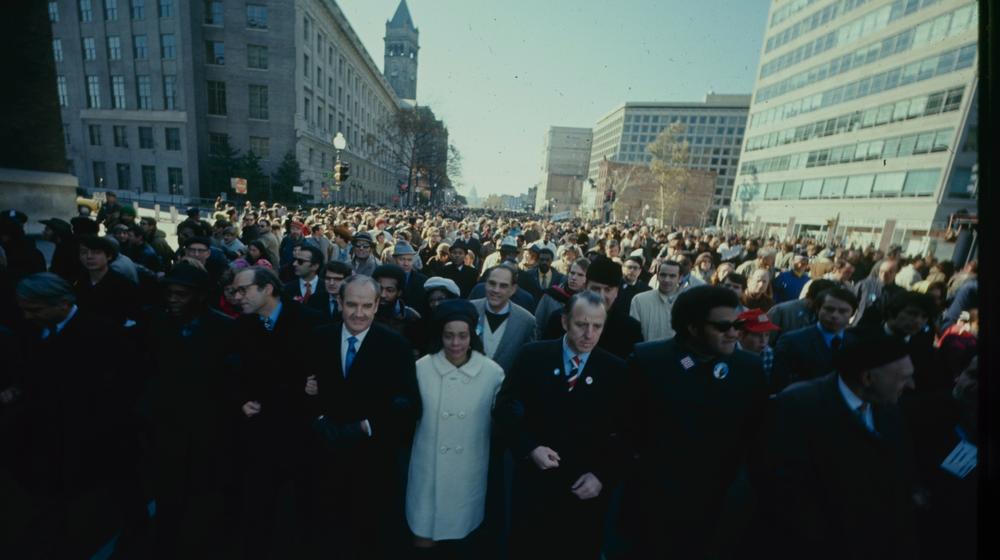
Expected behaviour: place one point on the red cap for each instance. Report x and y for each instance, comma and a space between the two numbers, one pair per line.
756, 321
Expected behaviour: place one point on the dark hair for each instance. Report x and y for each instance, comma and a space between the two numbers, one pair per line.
511, 269
671, 262
735, 278
436, 341
315, 255
265, 276
546, 250
843, 294
818, 286
587, 296
922, 302
265, 253
135, 229
393, 271
338, 267
694, 304
97, 243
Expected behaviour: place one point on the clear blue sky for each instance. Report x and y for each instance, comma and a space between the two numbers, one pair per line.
500, 73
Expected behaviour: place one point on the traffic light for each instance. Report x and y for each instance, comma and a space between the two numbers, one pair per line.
341, 171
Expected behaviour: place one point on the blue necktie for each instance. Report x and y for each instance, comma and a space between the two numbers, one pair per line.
352, 353
268, 323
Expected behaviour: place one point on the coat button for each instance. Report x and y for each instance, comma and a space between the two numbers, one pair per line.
445, 414
444, 449
461, 414
459, 449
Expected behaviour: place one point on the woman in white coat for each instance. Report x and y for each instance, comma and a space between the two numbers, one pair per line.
446, 487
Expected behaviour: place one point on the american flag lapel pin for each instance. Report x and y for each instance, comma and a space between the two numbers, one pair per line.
687, 363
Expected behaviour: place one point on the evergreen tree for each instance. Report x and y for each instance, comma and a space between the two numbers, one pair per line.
288, 174
223, 164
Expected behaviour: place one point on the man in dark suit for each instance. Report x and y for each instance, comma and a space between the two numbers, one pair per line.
907, 317
365, 404
464, 276
413, 284
834, 468
808, 352
334, 274
308, 288
275, 427
632, 283
875, 293
797, 313
559, 408
695, 402
542, 276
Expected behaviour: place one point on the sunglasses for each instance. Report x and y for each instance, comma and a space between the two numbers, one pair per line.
726, 326
302, 261
362, 246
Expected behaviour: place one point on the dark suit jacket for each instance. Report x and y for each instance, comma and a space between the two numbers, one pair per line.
620, 335
803, 354
413, 292
829, 487
270, 371
528, 280
319, 301
465, 277
692, 432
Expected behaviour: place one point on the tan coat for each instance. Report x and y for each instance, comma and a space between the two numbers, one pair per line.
446, 488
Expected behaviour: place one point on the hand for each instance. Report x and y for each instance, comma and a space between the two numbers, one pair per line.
251, 408
366, 427
312, 386
587, 487
545, 458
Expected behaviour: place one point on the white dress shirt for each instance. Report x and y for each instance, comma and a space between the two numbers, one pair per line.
313, 284
854, 403
344, 344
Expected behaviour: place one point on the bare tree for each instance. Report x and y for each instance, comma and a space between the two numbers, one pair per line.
414, 141
670, 168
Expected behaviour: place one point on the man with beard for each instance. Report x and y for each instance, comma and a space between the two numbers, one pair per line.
186, 348
696, 403
392, 309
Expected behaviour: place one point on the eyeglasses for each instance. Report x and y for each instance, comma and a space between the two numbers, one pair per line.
196, 250
726, 326
238, 290
302, 261
362, 246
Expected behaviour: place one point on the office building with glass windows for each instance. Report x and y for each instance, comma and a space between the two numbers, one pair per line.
149, 89
713, 130
863, 123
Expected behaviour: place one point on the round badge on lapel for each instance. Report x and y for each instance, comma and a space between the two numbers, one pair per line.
555, 371
589, 380
721, 370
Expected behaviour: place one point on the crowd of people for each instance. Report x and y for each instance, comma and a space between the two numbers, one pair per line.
364, 382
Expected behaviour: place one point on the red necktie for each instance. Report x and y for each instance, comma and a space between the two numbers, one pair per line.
309, 292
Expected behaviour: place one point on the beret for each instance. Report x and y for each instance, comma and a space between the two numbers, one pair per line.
605, 271
439, 283
872, 349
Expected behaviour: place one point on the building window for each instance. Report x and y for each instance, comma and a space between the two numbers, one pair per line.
54, 12
173, 137
260, 146
89, 50
86, 11
308, 111
166, 8
175, 178
117, 92
111, 10
305, 65
305, 29
124, 177
216, 98
215, 52
168, 46
146, 137
319, 117
148, 178
144, 91
217, 143
257, 57
61, 89
140, 47
93, 92
258, 102
256, 16
170, 92
213, 12
319, 78
100, 173
57, 50
114, 48
94, 130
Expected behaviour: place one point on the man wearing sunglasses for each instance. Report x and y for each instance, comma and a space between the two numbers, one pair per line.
362, 259
697, 403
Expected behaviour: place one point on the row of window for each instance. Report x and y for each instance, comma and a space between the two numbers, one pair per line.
214, 9
886, 148
148, 177
929, 32
259, 145
137, 9
258, 96
143, 92
813, 21
113, 44
257, 55
861, 27
920, 106
686, 119
925, 69
699, 129
171, 136
788, 10
869, 185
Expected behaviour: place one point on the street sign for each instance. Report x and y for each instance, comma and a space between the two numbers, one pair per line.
238, 184
298, 188
324, 192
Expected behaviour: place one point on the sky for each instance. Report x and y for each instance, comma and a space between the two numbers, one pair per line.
501, 73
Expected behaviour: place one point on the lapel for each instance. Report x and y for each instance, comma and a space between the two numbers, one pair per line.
365, 353
338, 368
845, 415
820, 350
512, 330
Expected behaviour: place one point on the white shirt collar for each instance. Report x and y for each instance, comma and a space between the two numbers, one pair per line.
854, 403
345, 334
314, 283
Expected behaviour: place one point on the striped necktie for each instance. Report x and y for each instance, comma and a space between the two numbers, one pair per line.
574, 373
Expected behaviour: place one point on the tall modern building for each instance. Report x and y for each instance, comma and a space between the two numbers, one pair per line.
713, 129
148, 89
863, 121
402, 44
565, 158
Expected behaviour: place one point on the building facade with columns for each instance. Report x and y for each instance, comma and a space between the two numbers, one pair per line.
863, 123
